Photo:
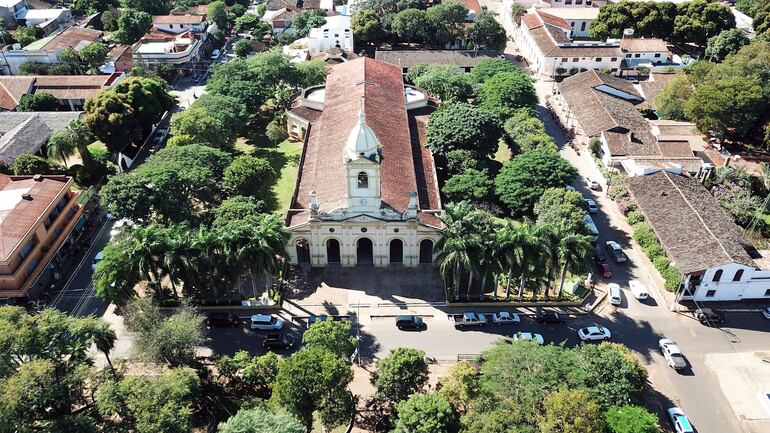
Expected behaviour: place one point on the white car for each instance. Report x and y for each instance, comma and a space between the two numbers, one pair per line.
614, 292
680, 421
673, 355
766, 313
266, 322
215, 54
97, 259
593, 184
615, 251
591, 206
638, 290
506, 317
594, 333
528, 336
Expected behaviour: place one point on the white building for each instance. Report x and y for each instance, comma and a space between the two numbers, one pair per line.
47, 20
578, 18
700, 239
546, 42
572, 3
366, 194
158, 47
180, 23
335, 33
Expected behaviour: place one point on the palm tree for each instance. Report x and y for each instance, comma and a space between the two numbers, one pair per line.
60, 146
574, 250
174, 253
452, 259
104, 339
530, 241
551, 237
508, 242
517, 11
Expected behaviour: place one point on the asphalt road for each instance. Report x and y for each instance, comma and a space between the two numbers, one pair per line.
77, 296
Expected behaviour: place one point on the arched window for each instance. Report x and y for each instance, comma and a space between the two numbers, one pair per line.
738, 275
363, 180
717, 276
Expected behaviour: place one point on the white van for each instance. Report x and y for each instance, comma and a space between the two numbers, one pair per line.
266, 322
638, 290
592, 230
614, 294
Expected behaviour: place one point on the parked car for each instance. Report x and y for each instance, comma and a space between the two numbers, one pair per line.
543, 316
615, 251
409, 322
276, 340
638, 290
215, 54
593, 184
766, 313
591, 206
615, 294
673, 355
528, 336
222, 320
594, 333
320, 318
266, 322
601, 264
97, 259
506, 317
679, 420
707, 316
468, 319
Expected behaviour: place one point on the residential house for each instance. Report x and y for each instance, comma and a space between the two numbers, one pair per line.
572, 3
71, 90
546, 42
156, 47
8, 11
703, 243
48, 49
367, 192
578, 18
38, 217
597, 105
465, 60
47, 20
281, 13
28, 132
177, 24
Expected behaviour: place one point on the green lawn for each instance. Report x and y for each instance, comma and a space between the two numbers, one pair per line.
285, 161
503, 153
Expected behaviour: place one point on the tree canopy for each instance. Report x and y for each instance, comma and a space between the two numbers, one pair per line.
506, 92
457, 125
132, 25
425, 413
333, 336
260, 420
525, 178
38, 102
444, 81
400, 374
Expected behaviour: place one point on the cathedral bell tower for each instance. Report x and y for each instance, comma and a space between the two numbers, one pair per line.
362, 167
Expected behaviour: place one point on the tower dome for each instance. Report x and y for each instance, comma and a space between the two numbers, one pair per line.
361, 141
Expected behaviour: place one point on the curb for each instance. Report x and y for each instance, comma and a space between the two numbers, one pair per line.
385, 316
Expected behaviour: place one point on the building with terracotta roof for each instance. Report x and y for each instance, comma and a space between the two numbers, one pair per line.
597, 105
546, 42
180, 23
700, 238
465, 60
38, 215
645, 52
48, 49
367, 192
71, 90
579, 19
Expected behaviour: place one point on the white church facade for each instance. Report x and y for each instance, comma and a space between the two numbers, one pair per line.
367, 192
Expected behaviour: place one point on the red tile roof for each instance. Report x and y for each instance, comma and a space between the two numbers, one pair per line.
322, 170
471, 5
531, 21
18, 219
12, 89
554, 21
643, 45
71, 38
178, 19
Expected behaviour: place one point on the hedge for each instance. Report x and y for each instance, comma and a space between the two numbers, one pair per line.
645, 237
635, 217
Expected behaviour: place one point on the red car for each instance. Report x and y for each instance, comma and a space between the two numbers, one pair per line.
601, 264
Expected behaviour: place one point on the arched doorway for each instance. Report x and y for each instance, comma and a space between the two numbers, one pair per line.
303, 251
396, 251
333, 251
426, 251
364, 252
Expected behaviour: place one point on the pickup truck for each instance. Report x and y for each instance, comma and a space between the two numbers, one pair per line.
468, 319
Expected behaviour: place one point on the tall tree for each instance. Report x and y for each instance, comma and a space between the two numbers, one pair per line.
38, 102
570, 411
458, 125
486, 33
446, 22
260, 420
306, 20
725, 43
409, 25
132, 25
333, 336
506, 92
672, 99
60, 146
400, 374
425, 413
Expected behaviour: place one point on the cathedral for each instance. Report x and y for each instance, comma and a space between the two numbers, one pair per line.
367, 192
